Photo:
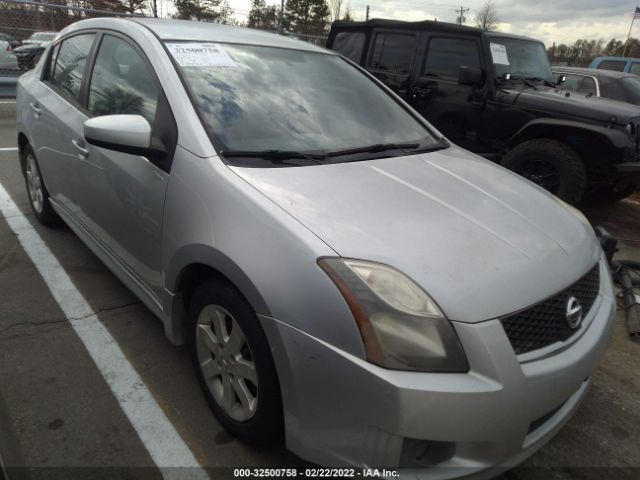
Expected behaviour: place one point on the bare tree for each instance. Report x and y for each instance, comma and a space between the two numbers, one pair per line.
335, 6
348, 13
487, 17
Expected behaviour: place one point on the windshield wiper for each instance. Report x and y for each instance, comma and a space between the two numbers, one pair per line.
516, 77
276, 156
319, 156
546, 82
376, 148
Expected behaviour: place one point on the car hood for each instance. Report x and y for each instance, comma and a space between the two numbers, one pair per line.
571, 104
480, 240
29, 48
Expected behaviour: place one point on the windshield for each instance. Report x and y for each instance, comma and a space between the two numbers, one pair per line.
520, 58
42, 36
256, 98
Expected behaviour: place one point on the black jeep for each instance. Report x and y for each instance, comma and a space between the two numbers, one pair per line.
494, 94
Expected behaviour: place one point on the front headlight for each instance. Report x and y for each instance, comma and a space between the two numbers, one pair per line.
401, 326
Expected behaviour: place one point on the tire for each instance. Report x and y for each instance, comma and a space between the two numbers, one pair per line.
216, 310
37, 191
551, 164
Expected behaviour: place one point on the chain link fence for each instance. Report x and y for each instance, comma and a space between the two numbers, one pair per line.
27, 27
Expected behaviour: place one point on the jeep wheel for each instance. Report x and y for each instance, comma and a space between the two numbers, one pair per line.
553, 165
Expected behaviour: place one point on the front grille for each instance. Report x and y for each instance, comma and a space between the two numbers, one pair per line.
545, 323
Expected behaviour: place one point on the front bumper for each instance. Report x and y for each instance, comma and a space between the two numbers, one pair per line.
343, 411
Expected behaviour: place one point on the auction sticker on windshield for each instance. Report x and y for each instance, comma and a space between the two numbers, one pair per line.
499, 54
200, 55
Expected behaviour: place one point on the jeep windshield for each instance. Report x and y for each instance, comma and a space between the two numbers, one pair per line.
265, 105
523, 60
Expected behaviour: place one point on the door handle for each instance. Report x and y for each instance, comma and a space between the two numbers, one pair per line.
82, 152
35, 109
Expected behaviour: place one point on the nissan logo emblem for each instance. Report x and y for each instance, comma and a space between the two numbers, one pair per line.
574, 312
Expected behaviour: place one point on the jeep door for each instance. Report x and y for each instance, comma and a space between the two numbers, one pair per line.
391, 56
455, 109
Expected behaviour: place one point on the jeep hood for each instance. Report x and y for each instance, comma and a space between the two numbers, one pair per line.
572, 105
480, 240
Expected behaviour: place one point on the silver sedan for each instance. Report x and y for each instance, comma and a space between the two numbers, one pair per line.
348, 281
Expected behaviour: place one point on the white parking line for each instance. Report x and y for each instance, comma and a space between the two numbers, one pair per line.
162, 441
9, 149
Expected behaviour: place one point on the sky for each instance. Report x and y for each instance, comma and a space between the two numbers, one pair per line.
560, 21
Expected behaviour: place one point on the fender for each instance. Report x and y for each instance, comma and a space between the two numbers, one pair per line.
208, 256
540, 126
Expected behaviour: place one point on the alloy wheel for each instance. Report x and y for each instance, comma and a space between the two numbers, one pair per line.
226, 363
541, 173
34, 184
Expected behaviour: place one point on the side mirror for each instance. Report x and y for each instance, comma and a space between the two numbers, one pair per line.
561, 79
470, 76
122, 133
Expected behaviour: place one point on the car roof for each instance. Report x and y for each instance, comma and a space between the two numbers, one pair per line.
188, 30
429, 25
622, 59
421, 25
167, 29
592, 71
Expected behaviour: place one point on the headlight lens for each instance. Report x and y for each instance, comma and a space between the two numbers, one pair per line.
401, 326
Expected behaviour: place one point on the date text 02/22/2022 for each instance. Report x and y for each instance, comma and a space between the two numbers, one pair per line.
314, 473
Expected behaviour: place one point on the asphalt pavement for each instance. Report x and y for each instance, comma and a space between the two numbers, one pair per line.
68, 423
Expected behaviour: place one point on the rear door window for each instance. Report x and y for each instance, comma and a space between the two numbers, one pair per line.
580, 84
52, 62
393, 52
610, 88
445, 56
587, 86
350, 44
635, 68
69, 66
615, 65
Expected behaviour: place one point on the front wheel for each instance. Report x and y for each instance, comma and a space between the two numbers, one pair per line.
551, 164
233, 363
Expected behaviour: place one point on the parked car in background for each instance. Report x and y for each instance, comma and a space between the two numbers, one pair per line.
311, 244
28, 55
617, 64
40, 38
624, 87
494, 94
8, 38
32, 48
8, 60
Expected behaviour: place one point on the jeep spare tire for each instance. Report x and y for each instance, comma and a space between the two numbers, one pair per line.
551, 164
